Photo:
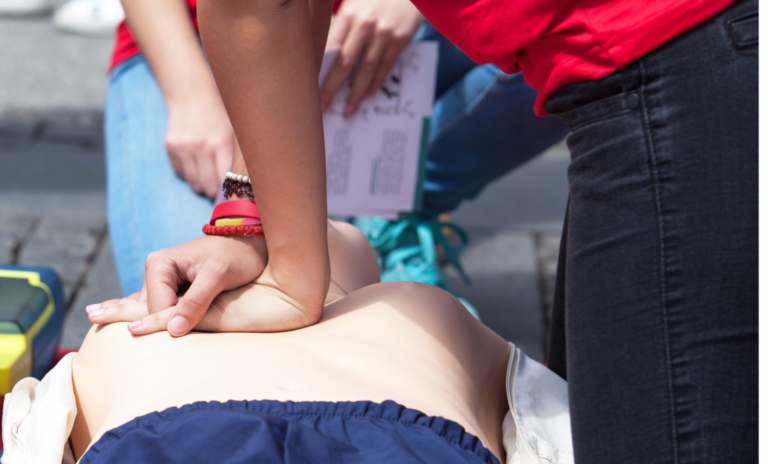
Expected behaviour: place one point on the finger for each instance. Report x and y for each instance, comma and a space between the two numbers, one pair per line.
390, 55
103, 304
349, 55
118, 312
162, 277
224, 156
193, 305
130, 298
367, 71
337, 31
172, 148
143, 293
151, 323
206, 168
186, 156
193, 175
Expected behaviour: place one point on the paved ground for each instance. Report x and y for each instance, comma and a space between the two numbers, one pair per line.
53, 211
514, 227
49, 70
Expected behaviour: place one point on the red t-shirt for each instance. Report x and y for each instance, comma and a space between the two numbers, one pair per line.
553, 42
557, 42
125, 44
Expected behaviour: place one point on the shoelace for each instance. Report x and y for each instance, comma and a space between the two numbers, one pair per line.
385, 235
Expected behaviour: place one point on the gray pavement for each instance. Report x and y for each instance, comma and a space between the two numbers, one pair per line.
101, 285
53, 208
53, 214
514, 227
502, 269
43, 69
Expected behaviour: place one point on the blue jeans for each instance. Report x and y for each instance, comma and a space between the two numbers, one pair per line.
483, 127
655, 318
149, 207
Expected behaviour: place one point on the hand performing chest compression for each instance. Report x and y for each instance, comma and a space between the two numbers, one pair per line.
232, 288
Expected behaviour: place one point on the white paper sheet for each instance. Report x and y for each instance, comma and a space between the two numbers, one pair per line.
373, 159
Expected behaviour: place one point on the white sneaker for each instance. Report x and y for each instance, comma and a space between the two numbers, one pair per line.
89, 17
25, 7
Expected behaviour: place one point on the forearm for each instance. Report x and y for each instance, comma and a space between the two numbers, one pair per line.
265, 57
166, 36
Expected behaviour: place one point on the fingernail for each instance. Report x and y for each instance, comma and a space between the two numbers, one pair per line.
90, 308
96, 313
134, 325
178, 325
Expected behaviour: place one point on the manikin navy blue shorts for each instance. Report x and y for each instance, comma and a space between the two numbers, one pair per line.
288, 432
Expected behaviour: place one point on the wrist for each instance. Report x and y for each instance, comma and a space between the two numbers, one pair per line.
196, 93
238, 198
306, 295
305, 275
238, 187
238, 167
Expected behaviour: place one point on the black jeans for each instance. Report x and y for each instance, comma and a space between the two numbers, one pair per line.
656, 304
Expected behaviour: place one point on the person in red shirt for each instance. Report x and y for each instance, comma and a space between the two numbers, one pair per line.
655, 315
655, 311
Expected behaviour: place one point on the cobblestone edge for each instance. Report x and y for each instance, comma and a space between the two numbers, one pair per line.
81, 127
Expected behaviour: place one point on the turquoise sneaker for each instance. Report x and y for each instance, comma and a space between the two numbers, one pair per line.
407, 249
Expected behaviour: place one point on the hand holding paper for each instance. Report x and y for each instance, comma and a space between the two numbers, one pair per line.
374, 159
371, 33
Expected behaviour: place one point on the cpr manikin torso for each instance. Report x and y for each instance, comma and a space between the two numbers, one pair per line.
407, 342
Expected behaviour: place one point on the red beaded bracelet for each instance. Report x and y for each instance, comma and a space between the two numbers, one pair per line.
233, 230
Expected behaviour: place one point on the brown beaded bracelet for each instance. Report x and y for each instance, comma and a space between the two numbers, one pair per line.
233, 230
234, 188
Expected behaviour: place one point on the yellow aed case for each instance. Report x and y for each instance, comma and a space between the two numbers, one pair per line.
31, 321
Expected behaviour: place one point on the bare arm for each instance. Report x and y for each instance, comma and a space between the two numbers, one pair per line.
199, 138
265, 56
